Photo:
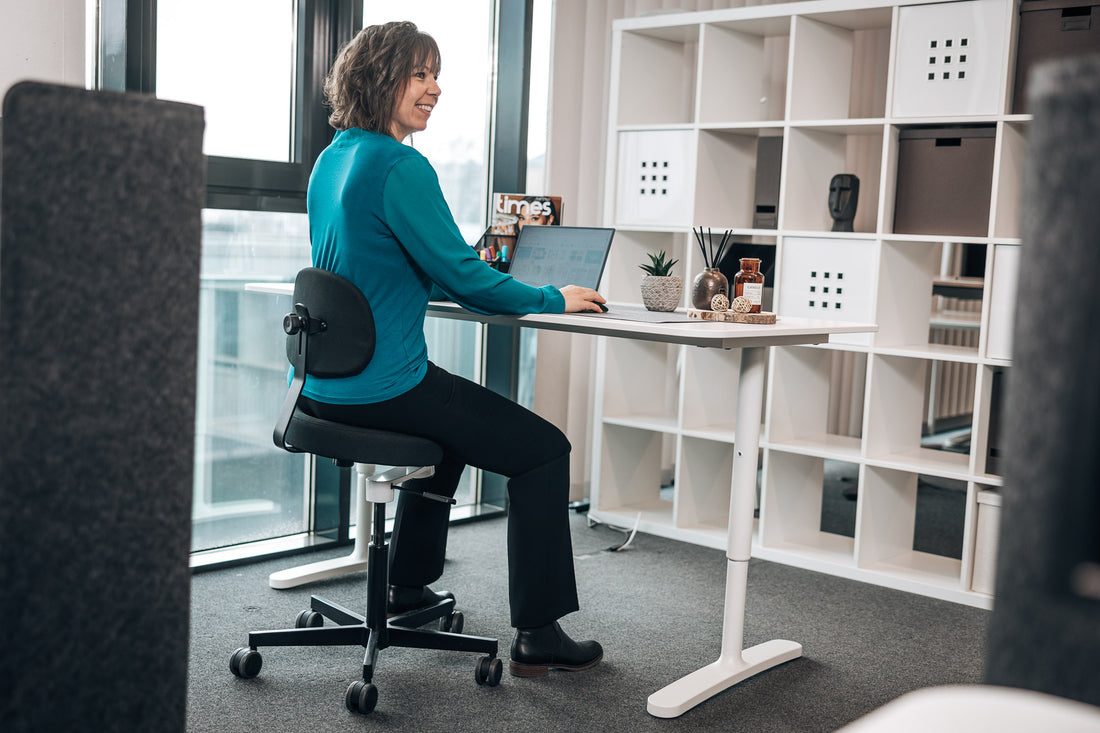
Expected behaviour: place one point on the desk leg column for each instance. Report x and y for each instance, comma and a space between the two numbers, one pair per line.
356, 561
735, 663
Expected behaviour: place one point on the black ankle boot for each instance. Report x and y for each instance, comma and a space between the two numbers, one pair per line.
403, 599
536, 651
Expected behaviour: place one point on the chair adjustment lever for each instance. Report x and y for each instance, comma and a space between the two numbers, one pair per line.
428, 495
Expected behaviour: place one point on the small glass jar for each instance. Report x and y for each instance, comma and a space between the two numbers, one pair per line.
749, 282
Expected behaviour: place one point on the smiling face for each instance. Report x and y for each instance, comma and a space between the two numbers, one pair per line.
527, 216
415, 104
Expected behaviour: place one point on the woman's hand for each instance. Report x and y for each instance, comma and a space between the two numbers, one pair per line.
579, 299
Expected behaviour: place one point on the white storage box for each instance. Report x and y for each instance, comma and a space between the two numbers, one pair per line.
985, 542
656, 178
831, 279
950, 59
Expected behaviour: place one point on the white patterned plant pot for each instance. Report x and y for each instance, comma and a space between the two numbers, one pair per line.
662, 293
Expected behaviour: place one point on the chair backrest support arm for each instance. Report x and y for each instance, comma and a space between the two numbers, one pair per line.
298, 381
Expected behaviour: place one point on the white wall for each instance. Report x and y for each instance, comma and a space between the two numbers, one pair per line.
42, 40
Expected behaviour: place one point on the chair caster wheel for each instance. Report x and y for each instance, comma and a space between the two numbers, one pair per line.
452, 623
361, 697
307, 619
245, 663
488, 671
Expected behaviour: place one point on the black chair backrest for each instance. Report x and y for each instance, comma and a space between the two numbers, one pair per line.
344, 345
330, 334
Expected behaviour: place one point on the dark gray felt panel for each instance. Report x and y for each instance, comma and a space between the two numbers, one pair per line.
1042, 635
99, 281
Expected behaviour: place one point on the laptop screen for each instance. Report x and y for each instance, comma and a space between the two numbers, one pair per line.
561, 255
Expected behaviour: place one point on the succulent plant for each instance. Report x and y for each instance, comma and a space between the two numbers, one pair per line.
659, 266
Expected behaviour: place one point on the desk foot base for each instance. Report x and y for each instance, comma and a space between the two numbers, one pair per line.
702, 684
293, 577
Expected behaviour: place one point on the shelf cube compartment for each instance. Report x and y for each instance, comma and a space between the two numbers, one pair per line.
944, 180
703, 486
656, 178
1049, 30
757, 49
657, 76
727, 177
906, 273
926, 307
641, 383
1009, 179
1002, 300
710, 392
828, 278
840, 64
622, 279
988, 445
951, 58
817, 402
839, 492
901, 516
814, 156
903, 399
791, 509
631, 472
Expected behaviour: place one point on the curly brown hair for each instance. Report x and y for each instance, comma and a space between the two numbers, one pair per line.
371, 71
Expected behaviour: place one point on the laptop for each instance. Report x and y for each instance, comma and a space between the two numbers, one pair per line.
560, 255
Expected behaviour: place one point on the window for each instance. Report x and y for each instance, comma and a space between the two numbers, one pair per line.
456, 143
250, 111
257, 66
246, 489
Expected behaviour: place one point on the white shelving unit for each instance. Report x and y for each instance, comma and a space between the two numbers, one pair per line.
838, 80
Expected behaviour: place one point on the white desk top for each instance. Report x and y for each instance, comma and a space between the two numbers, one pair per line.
713, 334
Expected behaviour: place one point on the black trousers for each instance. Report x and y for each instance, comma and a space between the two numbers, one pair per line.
476, 426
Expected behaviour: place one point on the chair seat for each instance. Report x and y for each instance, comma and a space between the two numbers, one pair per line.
360, 445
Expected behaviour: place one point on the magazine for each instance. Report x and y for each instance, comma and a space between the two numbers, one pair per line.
512, 212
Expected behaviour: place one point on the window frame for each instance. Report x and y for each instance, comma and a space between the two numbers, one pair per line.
127, 62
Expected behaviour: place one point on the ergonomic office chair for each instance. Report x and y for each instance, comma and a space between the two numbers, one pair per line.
331, 333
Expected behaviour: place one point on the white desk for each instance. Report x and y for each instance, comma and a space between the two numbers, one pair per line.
735, 663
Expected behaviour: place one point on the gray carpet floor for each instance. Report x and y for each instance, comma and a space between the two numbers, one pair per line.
656, 608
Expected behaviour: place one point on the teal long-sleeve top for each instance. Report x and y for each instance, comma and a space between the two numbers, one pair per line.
377, 217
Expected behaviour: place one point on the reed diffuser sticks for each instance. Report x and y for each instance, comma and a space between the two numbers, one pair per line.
712, 256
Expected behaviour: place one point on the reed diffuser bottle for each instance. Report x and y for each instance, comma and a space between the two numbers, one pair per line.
711, 281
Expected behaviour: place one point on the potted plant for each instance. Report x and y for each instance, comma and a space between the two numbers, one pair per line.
660, 290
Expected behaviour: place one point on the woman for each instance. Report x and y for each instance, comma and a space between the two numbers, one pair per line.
377, 217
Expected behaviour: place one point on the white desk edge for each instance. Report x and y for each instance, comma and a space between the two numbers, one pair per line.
715, 334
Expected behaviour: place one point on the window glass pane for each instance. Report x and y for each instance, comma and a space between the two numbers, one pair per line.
245, 488
456, 141
236, 58
537, 117
456, 144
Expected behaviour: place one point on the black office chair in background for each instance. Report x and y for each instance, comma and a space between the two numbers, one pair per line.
331, 333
